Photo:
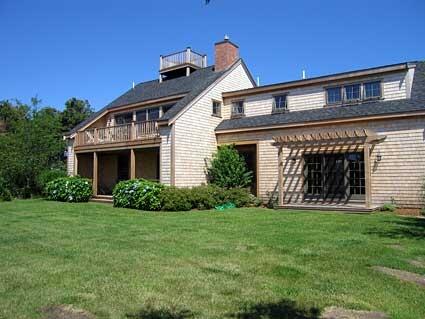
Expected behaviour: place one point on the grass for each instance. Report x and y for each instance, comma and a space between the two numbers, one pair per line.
241, 263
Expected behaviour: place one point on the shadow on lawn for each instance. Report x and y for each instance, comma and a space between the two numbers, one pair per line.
150, 313
283, 309
413, 228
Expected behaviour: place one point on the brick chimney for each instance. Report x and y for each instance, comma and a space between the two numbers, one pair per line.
226, 53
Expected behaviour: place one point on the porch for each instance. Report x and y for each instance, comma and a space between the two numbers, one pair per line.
109, 167
328, 169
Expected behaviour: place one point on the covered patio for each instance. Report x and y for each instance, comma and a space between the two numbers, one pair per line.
107, 168
327, 169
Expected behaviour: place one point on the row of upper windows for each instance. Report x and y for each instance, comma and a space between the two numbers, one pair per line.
343, 94
147, 114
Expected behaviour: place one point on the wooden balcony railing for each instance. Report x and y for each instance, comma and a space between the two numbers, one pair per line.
184, 57
118, 133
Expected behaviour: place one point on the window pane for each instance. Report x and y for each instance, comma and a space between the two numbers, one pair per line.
123, 118
141, 116
153, 114
372, 89
352, 92
334, 95
216, 108
238, 107
280, 101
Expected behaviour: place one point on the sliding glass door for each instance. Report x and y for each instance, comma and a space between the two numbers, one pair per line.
334, 176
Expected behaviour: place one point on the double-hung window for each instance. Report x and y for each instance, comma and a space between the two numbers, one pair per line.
216, 108
147, 115
280, 103
352, 92
238, 108
124, 118
334, 95
372, 90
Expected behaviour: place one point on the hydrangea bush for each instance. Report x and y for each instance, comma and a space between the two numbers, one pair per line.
69, 189
138, 193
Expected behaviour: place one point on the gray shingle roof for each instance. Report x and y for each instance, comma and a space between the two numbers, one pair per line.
191, 85
415, 103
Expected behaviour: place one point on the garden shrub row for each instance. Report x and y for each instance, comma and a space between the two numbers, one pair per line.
69, 189
146, 195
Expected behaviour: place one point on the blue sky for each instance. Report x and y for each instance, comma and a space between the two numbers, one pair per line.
94, 49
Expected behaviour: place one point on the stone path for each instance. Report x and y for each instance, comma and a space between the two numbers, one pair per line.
402, 275
341, 313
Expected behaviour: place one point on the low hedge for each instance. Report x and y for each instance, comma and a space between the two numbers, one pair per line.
152, 196
69, 189
138, 194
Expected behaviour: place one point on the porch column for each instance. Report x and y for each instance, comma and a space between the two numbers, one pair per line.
280, 177
95, 173
75, 165
368, 176
132, 164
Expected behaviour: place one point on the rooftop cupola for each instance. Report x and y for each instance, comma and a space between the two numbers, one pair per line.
180, 64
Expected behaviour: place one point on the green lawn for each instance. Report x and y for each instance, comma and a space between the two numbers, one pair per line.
118, 263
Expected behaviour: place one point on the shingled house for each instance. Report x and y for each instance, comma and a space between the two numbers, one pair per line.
352, 140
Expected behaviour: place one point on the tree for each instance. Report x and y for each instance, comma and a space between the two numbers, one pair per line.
31, 144
228, 169
75, 112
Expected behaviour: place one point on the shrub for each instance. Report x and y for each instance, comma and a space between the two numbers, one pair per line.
47, 176
5, 193
388, 207
240, 197
69, 189
206, 197
138, 194
228, 169
176, 199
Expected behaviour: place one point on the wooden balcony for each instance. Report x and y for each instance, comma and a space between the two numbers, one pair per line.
126, 134
182, 58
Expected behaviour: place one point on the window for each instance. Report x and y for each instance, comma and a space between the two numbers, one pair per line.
147, 115
238, 108
334, 95
352, 92
124, 118
372, 90
279, 103
216, 108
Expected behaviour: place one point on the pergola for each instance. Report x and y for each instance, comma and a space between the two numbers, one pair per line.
336, 138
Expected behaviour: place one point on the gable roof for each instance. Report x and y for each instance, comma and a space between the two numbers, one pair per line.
376, 108
191, 85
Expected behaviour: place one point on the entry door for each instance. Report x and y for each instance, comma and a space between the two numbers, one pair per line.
334, 176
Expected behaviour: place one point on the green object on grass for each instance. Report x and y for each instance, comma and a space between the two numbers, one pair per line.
225, 206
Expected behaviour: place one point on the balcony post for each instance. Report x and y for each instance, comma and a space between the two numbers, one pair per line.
188, 55
96, 136
368, 176
133, 131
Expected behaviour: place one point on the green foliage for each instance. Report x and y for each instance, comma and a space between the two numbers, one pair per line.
138, 194
69, 189
176, 199
47, 176
75, 112
5, 194
32, 142
228, 169
206, 197
388, 207
239, 196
